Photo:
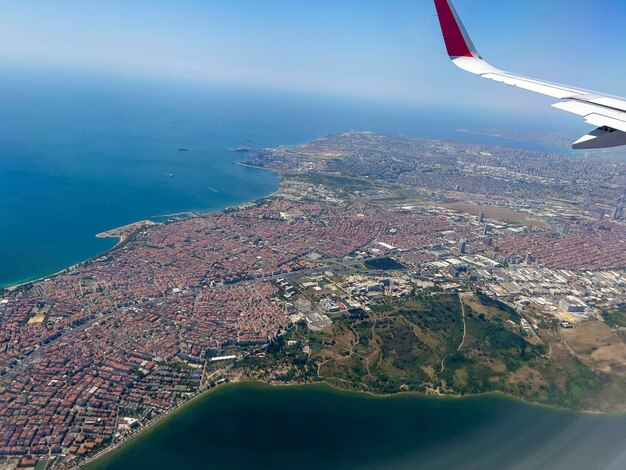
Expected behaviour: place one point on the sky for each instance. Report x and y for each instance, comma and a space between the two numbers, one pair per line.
388, 50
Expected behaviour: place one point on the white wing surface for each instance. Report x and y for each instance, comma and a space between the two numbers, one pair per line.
606, 112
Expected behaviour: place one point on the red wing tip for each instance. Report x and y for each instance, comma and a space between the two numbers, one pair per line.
454, 34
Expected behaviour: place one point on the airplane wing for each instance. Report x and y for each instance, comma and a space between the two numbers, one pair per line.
606, 112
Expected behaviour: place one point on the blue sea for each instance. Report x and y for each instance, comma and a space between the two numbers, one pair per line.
82, 153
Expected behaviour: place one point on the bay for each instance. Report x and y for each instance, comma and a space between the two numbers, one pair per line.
254, 425
83, 153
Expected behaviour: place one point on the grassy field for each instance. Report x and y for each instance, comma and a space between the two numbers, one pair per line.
443, 344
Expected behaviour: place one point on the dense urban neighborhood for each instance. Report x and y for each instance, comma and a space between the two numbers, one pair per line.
364, 226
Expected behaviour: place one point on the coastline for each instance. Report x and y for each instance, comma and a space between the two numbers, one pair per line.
70, 268
325, 385
121, 240
122, 237
151, 425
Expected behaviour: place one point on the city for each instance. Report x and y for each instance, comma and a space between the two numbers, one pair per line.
103, 349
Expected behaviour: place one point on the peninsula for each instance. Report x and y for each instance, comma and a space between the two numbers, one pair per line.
383, 264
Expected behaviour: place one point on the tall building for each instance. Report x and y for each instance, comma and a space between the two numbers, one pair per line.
462, 246
485, 229
481, 217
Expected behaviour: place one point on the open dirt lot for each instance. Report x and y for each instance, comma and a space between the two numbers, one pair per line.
597, 345
500, 213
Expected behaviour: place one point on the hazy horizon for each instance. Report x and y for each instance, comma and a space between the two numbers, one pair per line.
389, 51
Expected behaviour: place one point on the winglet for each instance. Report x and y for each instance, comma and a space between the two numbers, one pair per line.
458, 42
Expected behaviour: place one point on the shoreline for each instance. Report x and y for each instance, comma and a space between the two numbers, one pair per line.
152, 424
14, 287
443, 396
205, 394
123, 237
